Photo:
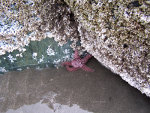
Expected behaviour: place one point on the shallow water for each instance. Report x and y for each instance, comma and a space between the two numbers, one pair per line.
59, 91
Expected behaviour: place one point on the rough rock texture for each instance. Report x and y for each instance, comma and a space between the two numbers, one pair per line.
29, 20
24, 25
117, 33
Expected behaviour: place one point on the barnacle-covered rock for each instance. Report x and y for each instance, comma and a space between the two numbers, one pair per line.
26, 27
117, 33
22, 21
57, 17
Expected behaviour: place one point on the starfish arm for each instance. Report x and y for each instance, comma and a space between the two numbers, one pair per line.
85, 68
86, 58
76, 54
71, 68
66, 63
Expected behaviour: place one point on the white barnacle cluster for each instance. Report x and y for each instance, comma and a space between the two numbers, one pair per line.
66, 51
50, 51
57, 61
19, 55
41, 59
34, 56
2, 69
11, 58
67, 55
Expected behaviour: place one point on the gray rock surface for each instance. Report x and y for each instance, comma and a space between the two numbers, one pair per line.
117, 33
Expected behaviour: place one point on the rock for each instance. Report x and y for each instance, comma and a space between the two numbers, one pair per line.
29, 20
117, 32
26, 27
38, 54
29, 30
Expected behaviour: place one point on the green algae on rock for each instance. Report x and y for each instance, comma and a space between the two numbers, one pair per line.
26, 25
38, 54
117, 33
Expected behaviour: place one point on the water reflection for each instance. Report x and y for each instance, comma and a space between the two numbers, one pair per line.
43, 108
32, 91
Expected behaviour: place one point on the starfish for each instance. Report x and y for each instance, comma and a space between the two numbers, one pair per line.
78, 63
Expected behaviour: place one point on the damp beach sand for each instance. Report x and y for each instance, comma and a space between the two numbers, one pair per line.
54, 90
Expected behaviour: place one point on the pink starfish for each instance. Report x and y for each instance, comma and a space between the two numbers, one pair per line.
78, 63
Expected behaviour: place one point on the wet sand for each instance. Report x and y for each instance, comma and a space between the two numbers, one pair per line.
57, 90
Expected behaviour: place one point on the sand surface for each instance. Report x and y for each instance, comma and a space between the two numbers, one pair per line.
59, 91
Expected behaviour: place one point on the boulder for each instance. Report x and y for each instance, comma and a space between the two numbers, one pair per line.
36, 34
117, 34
